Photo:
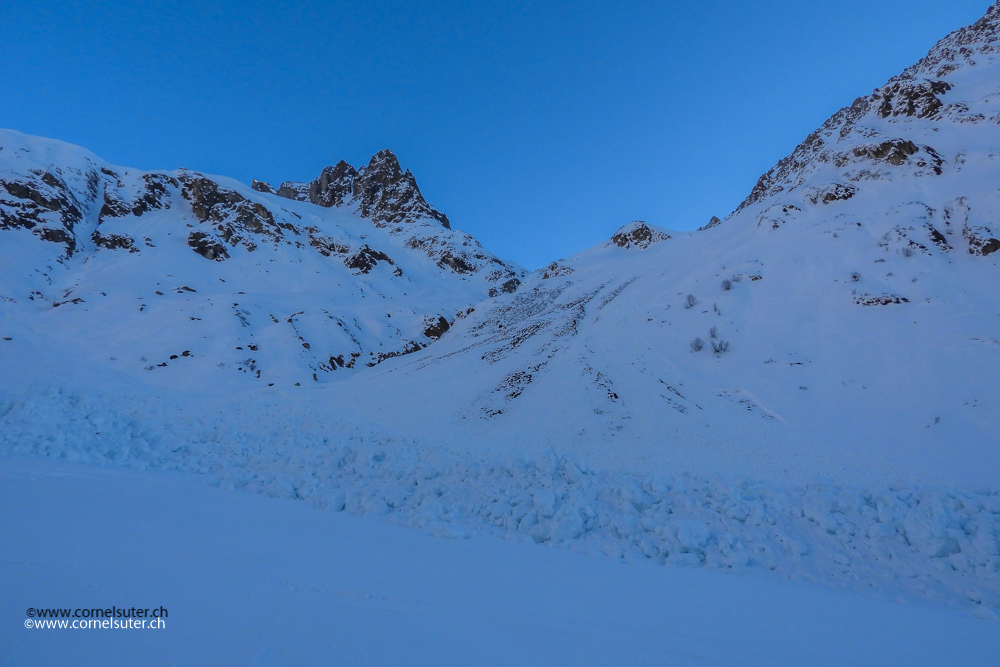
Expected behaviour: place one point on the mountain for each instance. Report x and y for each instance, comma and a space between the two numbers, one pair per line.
200, 278
844, 321
808, 387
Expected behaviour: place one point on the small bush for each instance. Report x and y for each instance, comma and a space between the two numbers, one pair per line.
697, 345
720, 346
907, 252
727, 284
855, 276
690, 301
736, 277
715, 307
713, 332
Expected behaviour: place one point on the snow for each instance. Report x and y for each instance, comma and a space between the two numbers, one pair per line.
830, 451
251, 580
892, 540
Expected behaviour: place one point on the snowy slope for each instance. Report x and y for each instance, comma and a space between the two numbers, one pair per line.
202, 279
855, 293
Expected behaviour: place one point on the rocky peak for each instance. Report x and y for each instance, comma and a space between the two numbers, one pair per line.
382, 191
637, 233
334, 187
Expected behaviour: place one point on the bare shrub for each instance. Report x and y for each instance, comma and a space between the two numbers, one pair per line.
697, 345
727, 284
736, 277
907, 252
690, 301
720, 346
713, 332
855, 276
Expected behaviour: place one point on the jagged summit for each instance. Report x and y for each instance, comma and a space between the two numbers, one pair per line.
382, 191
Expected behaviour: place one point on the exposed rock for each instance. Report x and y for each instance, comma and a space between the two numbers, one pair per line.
435, 328
335, 186
113, 241
410, 347
324, 244
207, 247
365, 259
880, 300
909, 98
296, 191
638, 234
155, 193
714, 222
980, 241
831, 193
209, 201
234, 218
510, 286
382, 191
390, 198
937, 238
57, 236
555, 270
457, 263
894, 152
33, 200
114, 206
261, 186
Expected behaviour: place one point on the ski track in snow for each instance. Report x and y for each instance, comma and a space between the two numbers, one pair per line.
895, 540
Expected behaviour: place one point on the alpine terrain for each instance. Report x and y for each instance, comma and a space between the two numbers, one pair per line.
806, 389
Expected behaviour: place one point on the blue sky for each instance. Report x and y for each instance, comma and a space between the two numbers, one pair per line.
539, 127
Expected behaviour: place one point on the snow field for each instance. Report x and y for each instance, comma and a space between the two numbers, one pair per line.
260, 581
897, 541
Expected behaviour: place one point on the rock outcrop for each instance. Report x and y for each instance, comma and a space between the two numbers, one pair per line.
382, 191
639, 235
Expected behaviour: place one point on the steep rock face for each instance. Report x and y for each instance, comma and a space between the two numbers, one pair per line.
159, 251
382, 191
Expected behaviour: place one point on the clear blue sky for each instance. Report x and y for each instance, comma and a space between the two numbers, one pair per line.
539, 127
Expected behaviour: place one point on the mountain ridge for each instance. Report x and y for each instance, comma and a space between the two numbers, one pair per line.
64, 212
